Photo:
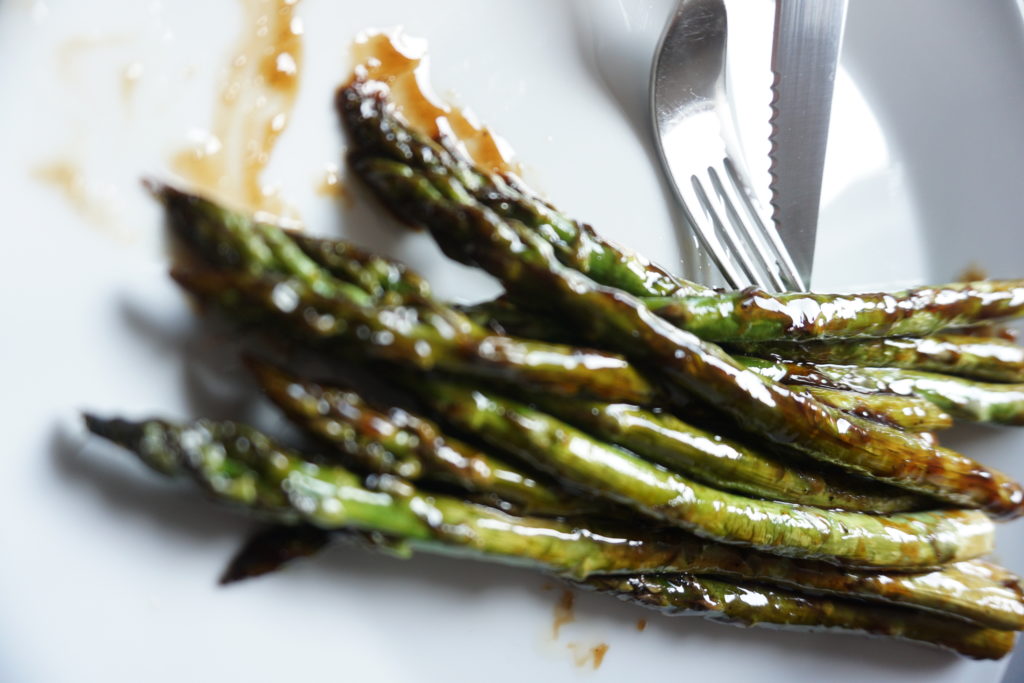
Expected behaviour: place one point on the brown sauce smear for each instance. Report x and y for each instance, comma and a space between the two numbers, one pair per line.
67, 177
130, 77
563, 613
402, 64
77, 48
253, 108
583, 655
330, 184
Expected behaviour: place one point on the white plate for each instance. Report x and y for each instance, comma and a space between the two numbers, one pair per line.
109, 573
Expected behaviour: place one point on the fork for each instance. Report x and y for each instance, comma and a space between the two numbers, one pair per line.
693, 122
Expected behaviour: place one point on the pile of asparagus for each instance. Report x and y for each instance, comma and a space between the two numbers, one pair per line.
751, 457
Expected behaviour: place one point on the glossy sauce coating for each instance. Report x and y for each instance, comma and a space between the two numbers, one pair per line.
401, 64
612, 318
535, 279
993, 359
563, 613
395, 441
962, 398
724, 463
902, 540
236, 464
752, 605
252, 109
755, 315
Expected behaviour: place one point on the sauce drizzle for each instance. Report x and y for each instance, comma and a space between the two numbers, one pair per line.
130, 76
563, 613
330, 184
88, 201
253, 108
401, 63
592, 655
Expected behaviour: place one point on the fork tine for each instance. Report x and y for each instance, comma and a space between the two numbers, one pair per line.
774, 254
737, 229
702, 217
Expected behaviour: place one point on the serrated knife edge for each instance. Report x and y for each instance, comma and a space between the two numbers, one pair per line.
805, 55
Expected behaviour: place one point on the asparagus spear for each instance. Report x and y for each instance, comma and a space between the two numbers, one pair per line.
750, 315
907, 540
238, 465
962, 398
236, 240
748, 604
400, 443
403, 335
986, 358
906, 412
377, 275
994, 330
992, 359
262, 274
754, 315
527, 268
575, 243
504, 317
724, 463
718, 599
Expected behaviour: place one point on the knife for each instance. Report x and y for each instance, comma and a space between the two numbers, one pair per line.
805, 52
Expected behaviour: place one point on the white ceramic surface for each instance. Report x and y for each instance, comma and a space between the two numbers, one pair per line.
108, 573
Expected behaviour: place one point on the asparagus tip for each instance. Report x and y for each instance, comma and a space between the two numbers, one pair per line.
269, 550
122, 432
155, 187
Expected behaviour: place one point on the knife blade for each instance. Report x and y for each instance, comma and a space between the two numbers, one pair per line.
805, 54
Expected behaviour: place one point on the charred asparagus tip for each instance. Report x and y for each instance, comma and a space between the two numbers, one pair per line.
155, 188
123, 433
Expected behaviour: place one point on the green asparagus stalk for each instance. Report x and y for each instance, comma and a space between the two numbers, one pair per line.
406, 445
962, 398
992, 359
237, 240
749, 604
231, 239
240, 466
403, 335
576, 244
907, 540
504, 317
905, 412
398, 442
532, 276
993, 330
731, 601
724, 463
751, 315
263, 273
375, 274
754, 315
